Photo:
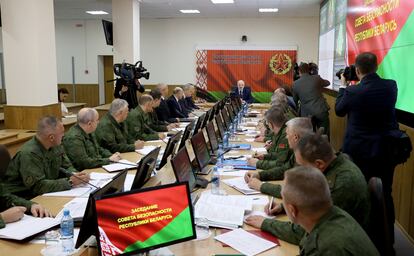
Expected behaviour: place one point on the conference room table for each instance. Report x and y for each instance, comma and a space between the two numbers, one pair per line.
208, 246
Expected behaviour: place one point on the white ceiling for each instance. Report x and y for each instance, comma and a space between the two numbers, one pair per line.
75, 9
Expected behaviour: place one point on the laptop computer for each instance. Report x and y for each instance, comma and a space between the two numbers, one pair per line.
184, 172
202, 154
169, 149
145, 168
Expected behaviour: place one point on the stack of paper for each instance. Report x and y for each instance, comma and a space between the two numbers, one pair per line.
145, 150
27, 226
222, 211
76, 206
240, 185
244, 242
119, 166
237, 164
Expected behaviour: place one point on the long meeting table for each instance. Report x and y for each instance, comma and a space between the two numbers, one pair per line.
207, 246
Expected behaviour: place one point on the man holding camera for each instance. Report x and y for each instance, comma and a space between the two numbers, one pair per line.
370, 107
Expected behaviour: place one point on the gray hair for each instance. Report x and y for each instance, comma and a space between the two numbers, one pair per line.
47, 125
306, 188
177, 90
279, 98
87, 115
188, 87
117, 105
300, 125
161, 85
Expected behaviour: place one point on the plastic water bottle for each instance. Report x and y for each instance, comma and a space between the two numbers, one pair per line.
226, 139
215, 182
220, 155
66, 232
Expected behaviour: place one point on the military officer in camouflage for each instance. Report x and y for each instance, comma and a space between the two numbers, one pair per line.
278, 149
35, 169
138, 121
154, 122
112, 132
81, 145
349, 190
296, 129
329, 230
13, 207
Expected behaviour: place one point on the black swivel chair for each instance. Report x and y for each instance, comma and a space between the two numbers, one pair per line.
4, 160
379, 231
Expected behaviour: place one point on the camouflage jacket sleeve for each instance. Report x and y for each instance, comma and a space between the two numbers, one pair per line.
139, 130
271, 189
107, 139
286, 231
78, 153
8, 200
155, 124
33, 175
277, 173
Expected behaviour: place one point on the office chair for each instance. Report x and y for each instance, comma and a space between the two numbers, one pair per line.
378, 228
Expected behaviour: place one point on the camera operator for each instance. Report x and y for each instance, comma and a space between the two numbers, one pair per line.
127, 84
370, 106
127, 90
307, 94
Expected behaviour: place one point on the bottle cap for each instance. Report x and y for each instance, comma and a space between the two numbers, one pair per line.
66, 212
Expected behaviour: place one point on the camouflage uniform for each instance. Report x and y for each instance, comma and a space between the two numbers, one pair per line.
337, 233
83, 149
113, 136
34, 170
8, 200
155, 124
138, 126
278, 153
349, 191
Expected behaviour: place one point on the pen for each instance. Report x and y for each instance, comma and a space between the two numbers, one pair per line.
270, 204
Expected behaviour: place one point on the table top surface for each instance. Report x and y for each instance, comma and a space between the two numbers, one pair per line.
165, 176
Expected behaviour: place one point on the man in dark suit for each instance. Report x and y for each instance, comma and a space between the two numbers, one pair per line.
243, 91
189, 91
307, 91
163, 111
370, 107
176, 110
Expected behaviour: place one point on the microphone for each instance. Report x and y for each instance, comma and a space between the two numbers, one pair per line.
70, 174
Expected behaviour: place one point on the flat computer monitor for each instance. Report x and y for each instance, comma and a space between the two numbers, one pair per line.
88, 224
183, 170
145, 167
213, 112
226, 118
208, 114
220, 127
186, 134
170, 149
201, 152
200, 121
212, 138
230, 111
142, 220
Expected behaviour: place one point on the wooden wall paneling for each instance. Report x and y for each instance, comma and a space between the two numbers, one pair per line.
337, 124
109, 75
87, 93
26, 117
